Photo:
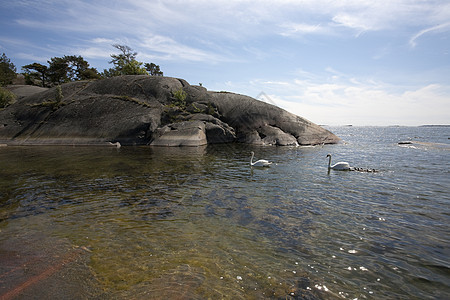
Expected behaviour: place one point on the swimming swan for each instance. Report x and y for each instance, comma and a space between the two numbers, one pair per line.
259, 163
340, 166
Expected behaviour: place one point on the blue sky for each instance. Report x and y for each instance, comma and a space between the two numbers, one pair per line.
360, 62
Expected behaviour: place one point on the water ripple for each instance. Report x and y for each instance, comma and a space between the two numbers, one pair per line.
201, 223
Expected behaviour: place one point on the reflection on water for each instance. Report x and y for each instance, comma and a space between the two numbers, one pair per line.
195, 223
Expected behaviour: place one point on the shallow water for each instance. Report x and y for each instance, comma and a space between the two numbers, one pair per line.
196, 223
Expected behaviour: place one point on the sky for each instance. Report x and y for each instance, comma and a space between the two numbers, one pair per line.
346, 62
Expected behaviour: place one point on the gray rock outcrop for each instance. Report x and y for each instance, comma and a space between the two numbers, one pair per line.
147, 110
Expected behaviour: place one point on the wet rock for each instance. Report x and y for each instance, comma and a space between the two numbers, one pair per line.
188, 133
216, 130
276, 136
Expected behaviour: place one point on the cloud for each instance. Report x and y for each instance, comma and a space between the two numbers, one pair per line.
290, 29
435, 29
226, 39
28, 50
31, 57
368, 102
166, 48
316, 16
355, 22
174, 26
354, 105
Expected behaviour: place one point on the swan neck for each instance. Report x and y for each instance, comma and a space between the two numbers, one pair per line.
251, 159
329, 162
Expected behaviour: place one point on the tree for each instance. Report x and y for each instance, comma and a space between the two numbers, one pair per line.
70, 68
124, 63
123, 58
7, 71
78, 69
90, 73
58, 70
41, 73
134, 67
153, 69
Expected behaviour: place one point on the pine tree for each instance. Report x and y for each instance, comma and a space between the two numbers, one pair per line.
7, 71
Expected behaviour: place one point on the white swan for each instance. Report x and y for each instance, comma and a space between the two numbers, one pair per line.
259, 163
340, 166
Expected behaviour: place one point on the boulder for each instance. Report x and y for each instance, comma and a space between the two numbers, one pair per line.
150, 110
258, 122
275, 136
216, 131
187, 133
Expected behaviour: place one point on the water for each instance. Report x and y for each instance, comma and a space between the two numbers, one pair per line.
199, 223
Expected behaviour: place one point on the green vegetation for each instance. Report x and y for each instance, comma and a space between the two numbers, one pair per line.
73, 68
36, 74
70, 68
131, 99
196, 109
210, 110
174, 111
125, 63
58, 94
180, 98
7, 71
153, 69
60, 70
6, 97
179, 109
56, 103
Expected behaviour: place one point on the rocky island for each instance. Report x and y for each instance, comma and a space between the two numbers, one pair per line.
149, 110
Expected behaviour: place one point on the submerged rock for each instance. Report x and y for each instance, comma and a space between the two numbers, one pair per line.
148, 110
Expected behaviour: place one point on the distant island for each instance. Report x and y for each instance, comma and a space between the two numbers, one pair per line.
149, 110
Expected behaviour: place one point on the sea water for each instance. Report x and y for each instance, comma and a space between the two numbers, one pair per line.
199, 223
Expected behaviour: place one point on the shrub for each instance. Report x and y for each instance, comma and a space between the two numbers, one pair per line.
210, 110
58, 94
180, 97
6, 97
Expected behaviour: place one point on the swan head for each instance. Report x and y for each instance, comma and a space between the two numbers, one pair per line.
328, 155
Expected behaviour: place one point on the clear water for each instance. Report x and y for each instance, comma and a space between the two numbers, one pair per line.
198, 223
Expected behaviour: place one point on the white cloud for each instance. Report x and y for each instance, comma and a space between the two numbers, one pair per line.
289, 29
361, 103
438, 28
94, 52
169, 24
354, 22
373, 107
244, 38
30, 57
233, 19
166, 48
